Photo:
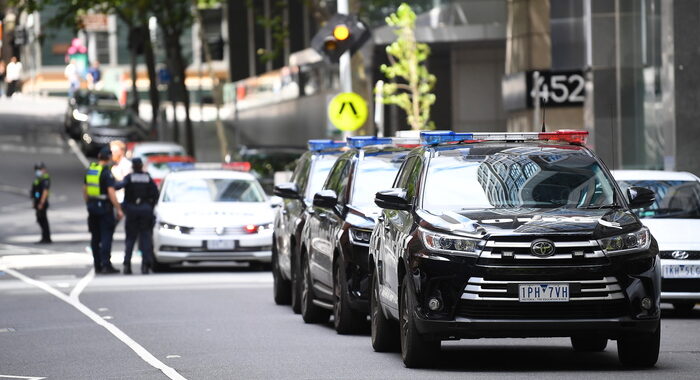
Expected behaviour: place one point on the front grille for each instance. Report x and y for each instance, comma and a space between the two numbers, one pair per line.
692, 255
603, 289
515, 310
680, 285
515, 251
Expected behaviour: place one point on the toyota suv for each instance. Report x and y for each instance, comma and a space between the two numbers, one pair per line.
512, 235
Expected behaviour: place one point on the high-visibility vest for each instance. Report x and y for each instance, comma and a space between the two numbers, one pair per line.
36, 182
92, 180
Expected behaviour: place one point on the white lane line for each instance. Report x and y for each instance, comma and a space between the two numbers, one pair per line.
80, 286
21, 377
119, 334
78, 153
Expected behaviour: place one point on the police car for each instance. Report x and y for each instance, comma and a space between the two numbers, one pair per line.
512, 235
143, 150
212, 215
311, 171
674, 219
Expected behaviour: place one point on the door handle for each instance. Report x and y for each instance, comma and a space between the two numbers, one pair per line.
386, 227
380, 218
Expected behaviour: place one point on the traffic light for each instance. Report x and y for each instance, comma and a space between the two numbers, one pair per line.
340, 34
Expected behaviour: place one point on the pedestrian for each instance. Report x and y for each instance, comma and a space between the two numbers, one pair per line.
122, 165
94, 75
40, 199
2, 78
71, 73
13, 73
102, 204
140, 196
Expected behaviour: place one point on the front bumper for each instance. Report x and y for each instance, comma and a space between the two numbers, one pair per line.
175, 247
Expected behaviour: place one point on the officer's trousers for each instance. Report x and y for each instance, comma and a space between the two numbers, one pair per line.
139, 225
44, 224
101, 227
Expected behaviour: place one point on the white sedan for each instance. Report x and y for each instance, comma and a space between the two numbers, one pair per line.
674, 220
212, 215
143, 150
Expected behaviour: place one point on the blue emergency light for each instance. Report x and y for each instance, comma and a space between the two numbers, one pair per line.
363, 141
437, 137
322, 144
567, 136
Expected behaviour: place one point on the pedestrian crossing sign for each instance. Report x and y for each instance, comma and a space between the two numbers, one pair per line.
347, 111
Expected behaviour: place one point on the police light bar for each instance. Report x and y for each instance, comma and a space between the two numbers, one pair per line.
363, 141
568, 136
316, 145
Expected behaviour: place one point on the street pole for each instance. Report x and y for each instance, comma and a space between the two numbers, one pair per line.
345, 69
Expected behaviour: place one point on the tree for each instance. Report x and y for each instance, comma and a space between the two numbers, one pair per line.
411, 84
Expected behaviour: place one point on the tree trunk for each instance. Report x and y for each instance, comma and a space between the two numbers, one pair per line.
134, 91
153, 84
178, 66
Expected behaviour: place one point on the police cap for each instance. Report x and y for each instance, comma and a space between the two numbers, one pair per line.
137, 163
39, 165
105, 153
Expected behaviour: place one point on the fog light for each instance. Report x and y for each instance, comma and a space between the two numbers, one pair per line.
434, 304
646, 303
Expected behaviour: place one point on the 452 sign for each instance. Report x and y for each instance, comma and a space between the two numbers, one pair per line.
555, 88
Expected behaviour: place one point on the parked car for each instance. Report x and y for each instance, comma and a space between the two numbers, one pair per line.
159, 166
265, 161
80, 105
146, 149
674, 219
107, 123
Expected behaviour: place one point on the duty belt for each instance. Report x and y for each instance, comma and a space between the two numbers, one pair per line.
98, 198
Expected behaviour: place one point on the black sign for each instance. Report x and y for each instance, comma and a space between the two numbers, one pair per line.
556, 89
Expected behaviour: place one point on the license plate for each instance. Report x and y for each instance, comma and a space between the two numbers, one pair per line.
681, 271
544, 293
221, 244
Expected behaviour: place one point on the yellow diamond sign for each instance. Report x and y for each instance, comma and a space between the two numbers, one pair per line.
347, 111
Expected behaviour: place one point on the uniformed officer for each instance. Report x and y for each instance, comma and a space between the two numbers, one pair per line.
101, 202
40, 198
140, 196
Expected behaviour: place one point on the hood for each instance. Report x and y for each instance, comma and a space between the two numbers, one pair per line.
541, 222
215, 214
675, 234
117, 131
363, 217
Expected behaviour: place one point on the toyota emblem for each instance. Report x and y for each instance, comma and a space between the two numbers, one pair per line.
542, 248
680, 255
219, 230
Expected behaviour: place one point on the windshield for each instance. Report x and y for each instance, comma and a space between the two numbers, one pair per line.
319, 173
521, 177
118, 119
674, 199
374, 173
192, 190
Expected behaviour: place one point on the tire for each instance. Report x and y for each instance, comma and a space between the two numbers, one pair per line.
310, 312
345, 319
385, 332
641, 350
683, 308
281, 288
416, 351
589, 343
296, 284
157, 267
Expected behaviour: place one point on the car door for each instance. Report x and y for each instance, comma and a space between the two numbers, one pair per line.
290, 212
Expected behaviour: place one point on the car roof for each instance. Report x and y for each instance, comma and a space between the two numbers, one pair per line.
211, 173
511, 147
156, 145
659, 175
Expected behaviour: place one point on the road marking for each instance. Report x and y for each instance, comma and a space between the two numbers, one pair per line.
173, 356
21, 377
78, 153
66, 237
80, 286
114, 330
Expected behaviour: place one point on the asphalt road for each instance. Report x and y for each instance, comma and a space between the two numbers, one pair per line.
59, 321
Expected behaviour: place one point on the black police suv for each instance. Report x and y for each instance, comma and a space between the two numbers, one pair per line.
80, 105
309, 175
523, 235
104, 124
335, 237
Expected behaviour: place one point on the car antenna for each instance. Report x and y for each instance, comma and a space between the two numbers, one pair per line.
544, 128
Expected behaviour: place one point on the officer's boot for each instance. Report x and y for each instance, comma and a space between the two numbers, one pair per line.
127, 268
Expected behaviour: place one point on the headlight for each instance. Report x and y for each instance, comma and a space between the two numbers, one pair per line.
360, 236
450, 243
173, 227
77, 115
626, 243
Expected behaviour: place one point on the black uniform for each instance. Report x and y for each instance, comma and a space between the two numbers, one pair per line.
140, 196
40, 184
101, 220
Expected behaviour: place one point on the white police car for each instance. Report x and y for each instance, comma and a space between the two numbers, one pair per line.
674, 220
212, 215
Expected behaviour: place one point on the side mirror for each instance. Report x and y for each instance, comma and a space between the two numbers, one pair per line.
287, 190
275, 201
640, 197
392, 199
325, 199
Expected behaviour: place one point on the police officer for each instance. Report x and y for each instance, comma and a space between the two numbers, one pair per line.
40, 198
140, 196
101, 202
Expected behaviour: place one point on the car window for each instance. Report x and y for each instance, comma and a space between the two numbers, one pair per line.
116, 118
674, 199
193, 190
335, 175
301, 173
410, 177
320, 167
520, 177
375, 173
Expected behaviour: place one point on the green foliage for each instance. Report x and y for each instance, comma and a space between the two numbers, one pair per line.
411, 83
